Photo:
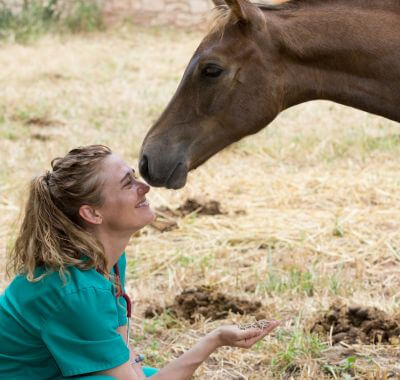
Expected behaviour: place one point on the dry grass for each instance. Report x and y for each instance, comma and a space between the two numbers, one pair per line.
320, 190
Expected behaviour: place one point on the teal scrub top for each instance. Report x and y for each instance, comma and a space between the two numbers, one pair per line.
50, 329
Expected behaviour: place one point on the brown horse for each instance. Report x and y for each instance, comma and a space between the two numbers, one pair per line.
258, 60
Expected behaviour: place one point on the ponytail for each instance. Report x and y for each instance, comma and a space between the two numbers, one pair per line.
51, 235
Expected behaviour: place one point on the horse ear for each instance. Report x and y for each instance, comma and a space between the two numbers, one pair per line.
245, 11
218, 3
238, 9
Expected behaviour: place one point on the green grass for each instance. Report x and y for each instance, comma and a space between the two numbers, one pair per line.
132, 267
345, 370
36, 18
297, 347
186, 261
295, 281
85, 17
334, 285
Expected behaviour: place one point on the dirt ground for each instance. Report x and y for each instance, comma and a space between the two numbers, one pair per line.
167, 218
357, 324
283, 223
209, 303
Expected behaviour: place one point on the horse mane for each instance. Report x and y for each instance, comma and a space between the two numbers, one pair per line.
221, 15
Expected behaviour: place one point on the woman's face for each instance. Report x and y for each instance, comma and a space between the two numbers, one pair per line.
125, 208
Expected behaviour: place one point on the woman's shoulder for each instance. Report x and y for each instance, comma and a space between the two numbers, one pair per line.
33, 302
75, 280
71, 281
51, 288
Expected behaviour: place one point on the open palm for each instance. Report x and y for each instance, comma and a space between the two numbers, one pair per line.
235, 337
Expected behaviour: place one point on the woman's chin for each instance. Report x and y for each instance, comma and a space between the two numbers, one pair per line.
141, 219
152, 215
148, 216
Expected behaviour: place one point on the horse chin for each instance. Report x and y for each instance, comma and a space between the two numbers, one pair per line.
178, 177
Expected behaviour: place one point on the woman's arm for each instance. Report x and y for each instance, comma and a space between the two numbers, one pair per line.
137, 367
184, 367
180, 369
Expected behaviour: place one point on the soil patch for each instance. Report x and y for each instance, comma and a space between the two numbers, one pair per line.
207, 302
166, 216
163, 224
190, 206
41, 137
43, 122
207, 208
356, 324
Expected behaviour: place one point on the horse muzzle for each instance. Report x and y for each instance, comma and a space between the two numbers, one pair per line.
159, 172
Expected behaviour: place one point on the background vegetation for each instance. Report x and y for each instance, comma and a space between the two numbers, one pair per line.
37, 17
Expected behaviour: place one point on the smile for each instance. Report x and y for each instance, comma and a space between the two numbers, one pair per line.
143, 203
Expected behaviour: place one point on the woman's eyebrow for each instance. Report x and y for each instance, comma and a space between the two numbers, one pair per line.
130, 172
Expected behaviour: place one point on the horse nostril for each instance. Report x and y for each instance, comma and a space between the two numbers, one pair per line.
144, 167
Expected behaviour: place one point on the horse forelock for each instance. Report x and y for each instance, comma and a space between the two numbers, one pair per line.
221, 16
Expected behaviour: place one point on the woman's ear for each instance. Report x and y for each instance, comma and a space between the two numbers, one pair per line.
90, 215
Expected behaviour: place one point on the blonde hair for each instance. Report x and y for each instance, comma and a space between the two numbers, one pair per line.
52, 234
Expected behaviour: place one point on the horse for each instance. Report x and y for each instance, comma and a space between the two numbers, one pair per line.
258, 60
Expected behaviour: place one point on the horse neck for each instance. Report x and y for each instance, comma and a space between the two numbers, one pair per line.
340, 51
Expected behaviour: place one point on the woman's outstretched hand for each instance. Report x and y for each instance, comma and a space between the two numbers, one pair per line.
235, 337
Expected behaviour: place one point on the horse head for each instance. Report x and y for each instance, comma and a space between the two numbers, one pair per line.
230, 89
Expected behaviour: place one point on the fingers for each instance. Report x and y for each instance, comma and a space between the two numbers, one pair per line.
249, 334
272, 326
256, 335
255, 331
247, 343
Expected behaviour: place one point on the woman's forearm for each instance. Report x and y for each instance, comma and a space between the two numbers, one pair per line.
137, 367
184, 367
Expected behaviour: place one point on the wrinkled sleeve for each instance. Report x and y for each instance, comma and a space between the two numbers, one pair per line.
82, 336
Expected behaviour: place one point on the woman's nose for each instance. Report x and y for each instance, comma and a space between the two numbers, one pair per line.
143, 189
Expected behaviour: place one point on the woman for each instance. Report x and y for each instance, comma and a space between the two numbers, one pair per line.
65, 312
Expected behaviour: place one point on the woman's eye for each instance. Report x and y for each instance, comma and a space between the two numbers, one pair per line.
212, 71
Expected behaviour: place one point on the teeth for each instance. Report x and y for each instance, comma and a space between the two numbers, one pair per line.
143, 203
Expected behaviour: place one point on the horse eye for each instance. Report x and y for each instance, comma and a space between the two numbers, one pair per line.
212, 71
